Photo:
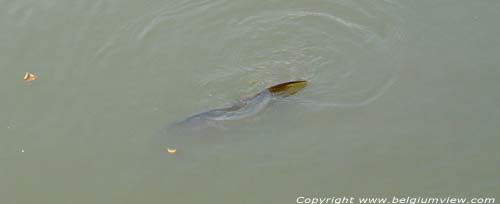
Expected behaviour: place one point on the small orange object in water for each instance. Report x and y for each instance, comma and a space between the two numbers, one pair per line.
29, 77
171, 151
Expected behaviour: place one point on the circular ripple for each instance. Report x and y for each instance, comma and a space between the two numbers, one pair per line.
346, 50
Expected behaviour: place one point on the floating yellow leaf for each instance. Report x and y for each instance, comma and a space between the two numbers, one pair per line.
29, 77
171, 151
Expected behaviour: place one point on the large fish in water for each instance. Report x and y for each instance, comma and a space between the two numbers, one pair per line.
245, 107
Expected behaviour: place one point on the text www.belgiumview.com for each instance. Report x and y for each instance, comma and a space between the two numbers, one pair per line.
394, 200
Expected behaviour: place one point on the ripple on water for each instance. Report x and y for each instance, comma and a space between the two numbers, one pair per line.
346, 49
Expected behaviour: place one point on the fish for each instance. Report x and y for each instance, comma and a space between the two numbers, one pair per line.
172, 136
246, 107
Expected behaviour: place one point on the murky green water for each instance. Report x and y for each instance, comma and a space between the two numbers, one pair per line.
404, 99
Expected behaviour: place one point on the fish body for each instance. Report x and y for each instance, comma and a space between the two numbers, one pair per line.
246, 107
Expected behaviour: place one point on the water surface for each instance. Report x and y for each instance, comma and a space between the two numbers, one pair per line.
403, 99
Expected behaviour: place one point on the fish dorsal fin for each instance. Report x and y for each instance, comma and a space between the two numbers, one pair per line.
287, 88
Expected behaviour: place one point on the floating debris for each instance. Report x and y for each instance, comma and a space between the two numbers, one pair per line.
171, 151
29, 77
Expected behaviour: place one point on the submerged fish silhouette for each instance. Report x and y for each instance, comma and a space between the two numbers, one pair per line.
245, 107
